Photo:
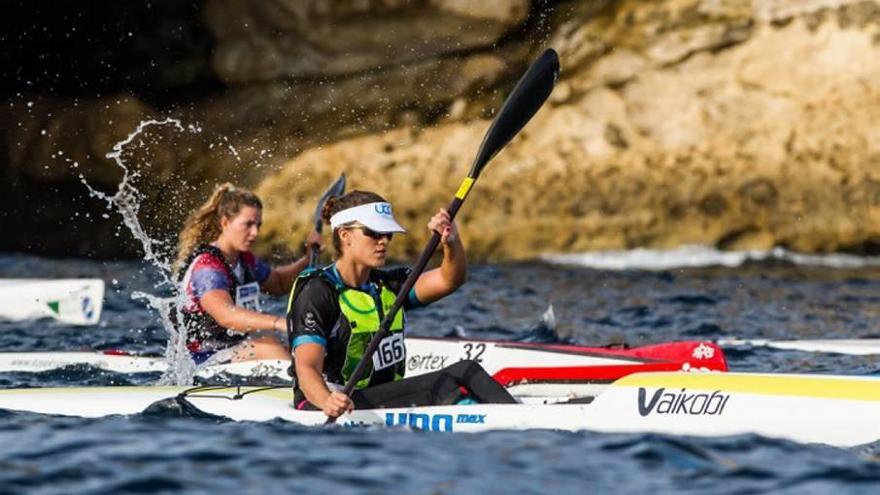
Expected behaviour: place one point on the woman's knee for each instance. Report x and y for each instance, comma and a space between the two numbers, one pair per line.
464, 367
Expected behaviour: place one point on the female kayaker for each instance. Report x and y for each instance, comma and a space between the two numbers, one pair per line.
222, 280
335, 311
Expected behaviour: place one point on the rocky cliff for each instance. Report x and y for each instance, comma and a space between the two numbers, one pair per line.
731, 123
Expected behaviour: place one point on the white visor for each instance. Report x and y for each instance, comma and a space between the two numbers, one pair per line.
374, 216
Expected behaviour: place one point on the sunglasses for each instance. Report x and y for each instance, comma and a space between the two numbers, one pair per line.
372, 234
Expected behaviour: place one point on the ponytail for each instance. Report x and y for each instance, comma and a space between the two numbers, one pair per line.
203, 225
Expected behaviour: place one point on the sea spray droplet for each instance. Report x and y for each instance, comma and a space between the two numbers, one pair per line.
127, 202
127, 199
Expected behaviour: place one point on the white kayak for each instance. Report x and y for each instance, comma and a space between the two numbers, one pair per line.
530, 369
854, 347
72, 301
835, 410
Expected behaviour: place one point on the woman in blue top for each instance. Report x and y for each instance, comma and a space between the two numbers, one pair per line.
222, 281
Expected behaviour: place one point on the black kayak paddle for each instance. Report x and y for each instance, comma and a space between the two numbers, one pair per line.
521, 105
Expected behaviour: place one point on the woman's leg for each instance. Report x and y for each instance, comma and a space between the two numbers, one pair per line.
479, 384
443, 387
424, 390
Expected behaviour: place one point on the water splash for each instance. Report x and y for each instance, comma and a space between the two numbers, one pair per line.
181, 368
127, 202
128, 199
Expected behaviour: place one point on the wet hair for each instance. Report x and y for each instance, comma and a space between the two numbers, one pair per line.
338, 203
203, 225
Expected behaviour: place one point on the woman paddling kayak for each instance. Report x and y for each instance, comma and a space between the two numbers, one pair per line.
335, 311
222, 280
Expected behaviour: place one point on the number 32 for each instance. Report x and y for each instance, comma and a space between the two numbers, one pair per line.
474, 352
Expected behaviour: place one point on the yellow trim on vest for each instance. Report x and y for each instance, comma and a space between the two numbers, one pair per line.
292, 292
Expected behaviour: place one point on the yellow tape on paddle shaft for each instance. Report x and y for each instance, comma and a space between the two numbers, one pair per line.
465, 188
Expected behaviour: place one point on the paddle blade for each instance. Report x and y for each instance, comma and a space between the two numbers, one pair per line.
521, 105
336, 189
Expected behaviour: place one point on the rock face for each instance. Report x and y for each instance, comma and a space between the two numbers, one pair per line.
717, 123
731, 123
269, 40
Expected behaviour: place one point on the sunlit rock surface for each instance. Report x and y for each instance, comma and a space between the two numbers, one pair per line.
731, 123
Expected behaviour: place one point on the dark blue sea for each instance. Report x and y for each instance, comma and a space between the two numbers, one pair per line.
769, 298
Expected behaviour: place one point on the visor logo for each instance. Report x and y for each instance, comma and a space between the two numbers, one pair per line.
383, 209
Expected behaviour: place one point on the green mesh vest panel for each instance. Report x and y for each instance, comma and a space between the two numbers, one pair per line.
360, 310
360, 313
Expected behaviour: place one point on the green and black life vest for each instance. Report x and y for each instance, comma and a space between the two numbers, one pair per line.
361, 313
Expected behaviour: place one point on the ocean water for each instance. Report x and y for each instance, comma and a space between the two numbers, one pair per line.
770, 297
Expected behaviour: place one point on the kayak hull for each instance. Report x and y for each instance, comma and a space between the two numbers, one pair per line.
526, 369
835, 410
423, 355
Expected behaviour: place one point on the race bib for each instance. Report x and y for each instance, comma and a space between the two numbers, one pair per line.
389, 352
248, 296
